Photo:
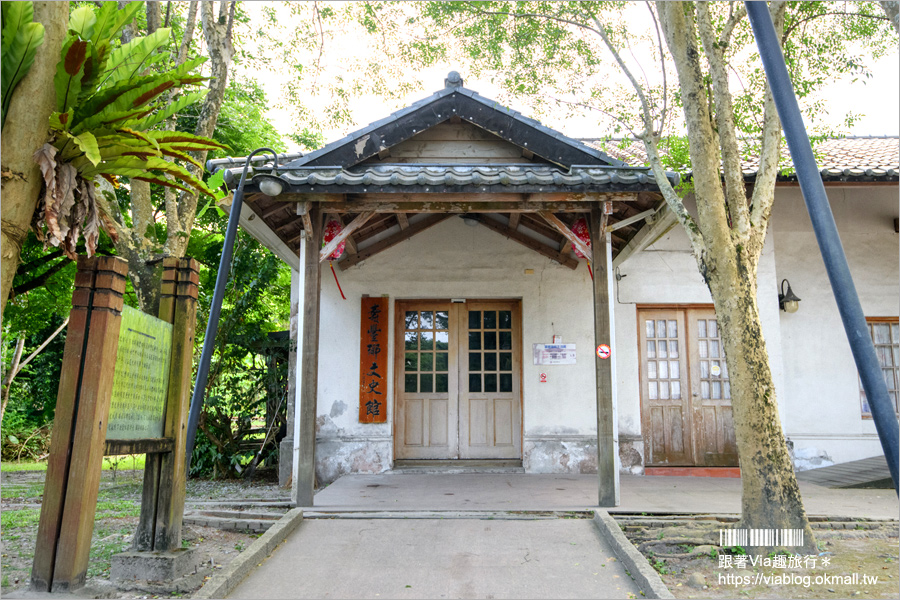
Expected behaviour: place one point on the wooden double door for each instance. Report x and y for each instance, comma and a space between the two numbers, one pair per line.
457, 380
685, 391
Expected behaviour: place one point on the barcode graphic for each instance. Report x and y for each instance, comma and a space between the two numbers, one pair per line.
760, 537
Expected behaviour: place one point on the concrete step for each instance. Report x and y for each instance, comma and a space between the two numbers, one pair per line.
235, 520
483, 515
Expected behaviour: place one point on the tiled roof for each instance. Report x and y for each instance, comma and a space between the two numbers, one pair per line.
463, 178
850, 158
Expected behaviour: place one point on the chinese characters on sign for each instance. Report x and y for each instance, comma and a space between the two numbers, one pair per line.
373, 361
141, 377
554, 354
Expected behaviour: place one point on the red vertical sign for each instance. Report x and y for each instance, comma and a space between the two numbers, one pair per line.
373, 349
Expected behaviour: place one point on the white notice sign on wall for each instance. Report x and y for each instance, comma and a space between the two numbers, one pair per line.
554, 354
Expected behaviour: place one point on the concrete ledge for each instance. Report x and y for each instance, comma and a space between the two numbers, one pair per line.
634, 562
222, 583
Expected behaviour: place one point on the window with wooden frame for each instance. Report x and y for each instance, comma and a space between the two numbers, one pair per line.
885, 332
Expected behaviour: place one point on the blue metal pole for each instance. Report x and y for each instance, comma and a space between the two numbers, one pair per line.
826, 233
215, 309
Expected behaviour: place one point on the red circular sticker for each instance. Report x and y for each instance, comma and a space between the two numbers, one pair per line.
603, 351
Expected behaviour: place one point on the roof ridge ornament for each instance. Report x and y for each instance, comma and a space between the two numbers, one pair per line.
453, 80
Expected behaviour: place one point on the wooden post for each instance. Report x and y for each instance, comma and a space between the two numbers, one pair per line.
162, 503
306, 467
76, 455
606, 458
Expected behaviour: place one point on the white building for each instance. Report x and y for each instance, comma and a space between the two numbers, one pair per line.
459, 211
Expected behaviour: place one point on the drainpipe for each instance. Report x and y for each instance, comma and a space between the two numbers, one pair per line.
212, 325
826, 233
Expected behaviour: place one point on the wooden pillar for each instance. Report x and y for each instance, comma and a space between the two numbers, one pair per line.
309, 372
606, 453
162, 503
76, 451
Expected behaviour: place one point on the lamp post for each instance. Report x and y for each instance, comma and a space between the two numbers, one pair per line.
274, 186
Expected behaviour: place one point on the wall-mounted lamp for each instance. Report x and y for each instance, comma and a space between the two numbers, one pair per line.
787, 301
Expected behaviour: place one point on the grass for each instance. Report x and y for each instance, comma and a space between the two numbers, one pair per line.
15, 519
126, 462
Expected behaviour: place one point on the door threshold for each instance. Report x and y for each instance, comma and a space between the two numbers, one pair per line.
454, 466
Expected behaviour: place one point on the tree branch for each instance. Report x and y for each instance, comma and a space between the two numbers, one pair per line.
770, 153
681, 37
41, 279
735, 193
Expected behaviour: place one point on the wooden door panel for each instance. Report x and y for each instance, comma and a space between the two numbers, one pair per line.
711, 392
490, 380
504, 422
426, 409
414, 434
665, 403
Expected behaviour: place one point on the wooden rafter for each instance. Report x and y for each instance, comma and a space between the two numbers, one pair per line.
514, 220
358, 222
528, 242
567, 233
393, 240
402, 221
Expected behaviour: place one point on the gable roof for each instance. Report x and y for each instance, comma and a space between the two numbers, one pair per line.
456, 101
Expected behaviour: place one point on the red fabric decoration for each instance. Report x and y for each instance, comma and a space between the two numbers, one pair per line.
332, 229
580, 229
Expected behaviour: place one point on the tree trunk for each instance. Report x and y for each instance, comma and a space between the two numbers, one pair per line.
25, 130
727, 255
770, 497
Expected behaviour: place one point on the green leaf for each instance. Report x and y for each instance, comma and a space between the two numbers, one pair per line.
12, 439
81, 22
21, 39
170, 109
107, 18
128, 60
88, 144
184, 140
69, 73
61, 121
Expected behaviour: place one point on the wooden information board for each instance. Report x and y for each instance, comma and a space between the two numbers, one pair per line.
373, 351
141, 380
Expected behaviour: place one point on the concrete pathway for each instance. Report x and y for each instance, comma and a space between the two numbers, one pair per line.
432, 558
478, 491
865, 473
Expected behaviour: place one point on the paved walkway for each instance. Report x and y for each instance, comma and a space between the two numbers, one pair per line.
480, 491
468, 535
431, 558
865, 473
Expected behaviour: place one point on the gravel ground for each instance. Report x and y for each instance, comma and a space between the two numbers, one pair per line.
116, 519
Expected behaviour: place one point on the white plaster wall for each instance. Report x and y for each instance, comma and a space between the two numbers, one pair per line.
821, 397
454, 260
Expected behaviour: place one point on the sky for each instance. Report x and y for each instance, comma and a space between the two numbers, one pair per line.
877, 99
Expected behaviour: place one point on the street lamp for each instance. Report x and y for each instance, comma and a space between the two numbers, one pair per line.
273, 186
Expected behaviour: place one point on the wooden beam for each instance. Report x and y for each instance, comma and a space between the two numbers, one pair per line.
633, 219
303, 211
567, 233
529, 242
458, 207
275, 208
662, 223
403, 221
606, 446
358, 222
142, 446
306, 465
392, 240
514, 220
511, 197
